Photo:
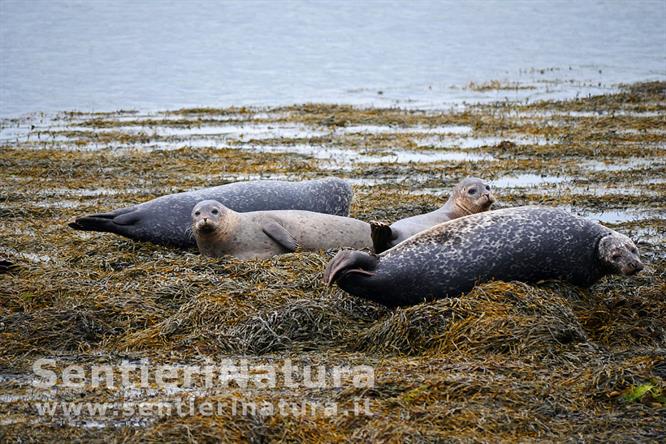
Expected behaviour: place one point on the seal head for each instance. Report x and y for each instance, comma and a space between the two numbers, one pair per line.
211, 217
472, 195
619, 254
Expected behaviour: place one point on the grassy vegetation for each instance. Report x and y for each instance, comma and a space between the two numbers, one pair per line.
506, 362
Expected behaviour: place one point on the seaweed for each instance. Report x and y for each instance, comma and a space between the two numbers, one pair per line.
505, 362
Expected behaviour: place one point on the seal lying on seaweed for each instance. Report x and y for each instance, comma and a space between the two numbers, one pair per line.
523, 244
472, 195
220, 231
166, 220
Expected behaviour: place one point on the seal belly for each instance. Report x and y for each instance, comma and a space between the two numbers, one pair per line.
315, 231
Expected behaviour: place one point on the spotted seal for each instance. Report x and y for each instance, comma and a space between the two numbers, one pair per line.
523, 243
221, 231
166, 220
470, 196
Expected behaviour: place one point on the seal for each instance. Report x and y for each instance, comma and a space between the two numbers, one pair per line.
526, 244
221, 231
472, 195
166, 220
6, 266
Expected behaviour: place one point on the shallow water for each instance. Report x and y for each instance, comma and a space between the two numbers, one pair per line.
32, 257
262, 131
603, 190
621, 216
107, 55
477, 142
626, 165
528, 180
384, 129
403, 156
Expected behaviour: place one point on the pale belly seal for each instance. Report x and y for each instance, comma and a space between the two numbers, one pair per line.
472, 195
220, 231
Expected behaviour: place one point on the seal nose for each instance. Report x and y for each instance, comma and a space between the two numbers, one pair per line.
205, 219
634, 268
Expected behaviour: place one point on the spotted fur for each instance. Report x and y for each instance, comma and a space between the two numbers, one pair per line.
525, 244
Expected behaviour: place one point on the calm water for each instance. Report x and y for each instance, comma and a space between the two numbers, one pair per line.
95, 55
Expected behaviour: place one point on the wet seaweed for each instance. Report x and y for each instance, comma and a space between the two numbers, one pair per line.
504, 362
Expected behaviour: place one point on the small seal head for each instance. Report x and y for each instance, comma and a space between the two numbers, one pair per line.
472, 195
210, 216
213, 225
619, 254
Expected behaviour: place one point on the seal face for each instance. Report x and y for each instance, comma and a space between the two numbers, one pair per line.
526, 244
221, 231
619, 254
166, 220
208, 216
470, 196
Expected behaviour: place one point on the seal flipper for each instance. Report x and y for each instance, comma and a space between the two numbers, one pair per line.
108, 222
350, 261
381, 234
6, 266
280, 235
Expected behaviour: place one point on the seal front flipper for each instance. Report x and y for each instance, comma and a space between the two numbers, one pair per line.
280, 235
381, 235
350, 262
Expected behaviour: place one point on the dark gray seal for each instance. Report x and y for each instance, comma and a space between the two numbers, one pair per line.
524, 244
220, 231
6, 266
472, 195
167, 219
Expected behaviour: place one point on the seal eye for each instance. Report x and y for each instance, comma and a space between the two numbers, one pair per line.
215, 211
488, 187
616, 256
197, 213
472, 191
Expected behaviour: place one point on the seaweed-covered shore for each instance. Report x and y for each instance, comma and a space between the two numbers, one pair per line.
506, 362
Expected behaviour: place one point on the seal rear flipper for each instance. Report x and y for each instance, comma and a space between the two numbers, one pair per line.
6, 266
381, 234
281, 236
350, 261
106, 221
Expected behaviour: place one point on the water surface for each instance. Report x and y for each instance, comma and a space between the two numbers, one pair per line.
125, 54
